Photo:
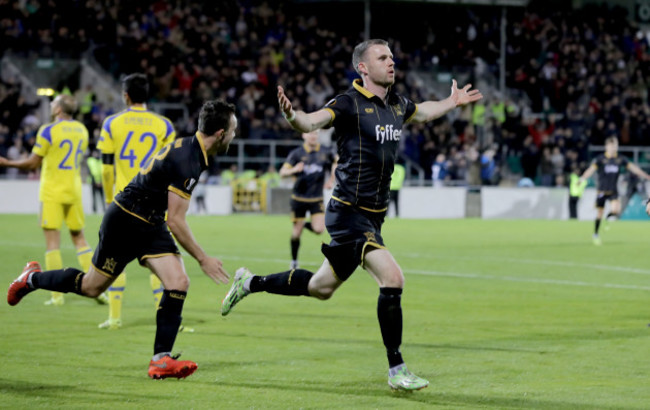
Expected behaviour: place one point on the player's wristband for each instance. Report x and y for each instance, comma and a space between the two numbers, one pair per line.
290, 118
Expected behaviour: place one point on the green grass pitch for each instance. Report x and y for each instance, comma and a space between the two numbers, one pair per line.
498, 314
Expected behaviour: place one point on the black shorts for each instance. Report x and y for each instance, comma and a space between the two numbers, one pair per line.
352, 230
299, 209
604, 196
124, 237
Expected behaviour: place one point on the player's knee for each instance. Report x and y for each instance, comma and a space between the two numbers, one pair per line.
321, 294
395, 279
318, 229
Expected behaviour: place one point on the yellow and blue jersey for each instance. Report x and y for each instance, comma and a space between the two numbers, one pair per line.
133, 136
62, 144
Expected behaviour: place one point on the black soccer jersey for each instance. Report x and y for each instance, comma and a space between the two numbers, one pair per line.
367, 134
318, 162
608, 170
176, 168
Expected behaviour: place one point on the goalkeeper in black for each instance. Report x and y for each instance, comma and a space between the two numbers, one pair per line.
367, 121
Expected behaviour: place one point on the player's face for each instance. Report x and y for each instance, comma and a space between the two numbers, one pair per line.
228, 136
55, 107
379, 64
611, 147
311, 138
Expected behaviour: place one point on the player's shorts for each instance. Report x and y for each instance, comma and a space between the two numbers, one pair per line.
299, 209
604, 196
124, 237
53, 214
352, 230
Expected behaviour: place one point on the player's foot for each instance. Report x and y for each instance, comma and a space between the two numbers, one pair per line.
19, 287
405, 380
102, 299
170, 367
111, 324
185, 329
293, 265
596, 240
55, 301
236, 292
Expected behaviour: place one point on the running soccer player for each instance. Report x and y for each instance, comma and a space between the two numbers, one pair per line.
367, 122
134, 226
127, 140
59, 152
608, 166
310, 164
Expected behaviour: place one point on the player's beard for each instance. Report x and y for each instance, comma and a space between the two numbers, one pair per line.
223, 149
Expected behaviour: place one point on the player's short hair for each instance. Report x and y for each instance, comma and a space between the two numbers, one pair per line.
361, 49
136, 86
67, 103
214, 116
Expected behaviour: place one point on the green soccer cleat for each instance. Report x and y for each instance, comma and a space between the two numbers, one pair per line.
596, 240
236, 292
111, 324
405, 380
102, 299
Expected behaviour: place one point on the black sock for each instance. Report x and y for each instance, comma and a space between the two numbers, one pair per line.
168, 320
293, 282
295, 244
308, 226
59, 280
389, 312
597, 226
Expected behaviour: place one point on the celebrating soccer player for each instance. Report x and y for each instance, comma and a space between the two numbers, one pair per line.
367, 122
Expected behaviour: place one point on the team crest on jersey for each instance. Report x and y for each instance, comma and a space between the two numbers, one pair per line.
370, 236
398, 110
370, 110
109, 265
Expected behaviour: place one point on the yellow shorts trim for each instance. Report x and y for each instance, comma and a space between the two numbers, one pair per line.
363, 251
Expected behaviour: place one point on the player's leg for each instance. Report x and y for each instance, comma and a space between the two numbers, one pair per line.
296, 232
600, 207
75, 220
614, 211
384, 269
317, 223
171, 272
51, 220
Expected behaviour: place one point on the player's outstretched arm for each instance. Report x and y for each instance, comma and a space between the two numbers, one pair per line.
32, 162
634, 168
588, 173
300, 120
177, 209
431, 110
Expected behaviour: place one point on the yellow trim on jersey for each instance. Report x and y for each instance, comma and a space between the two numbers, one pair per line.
205, 154
157, 255
363, 251
108, 275
412, 115
286, 165
357, 86
342, 201
290, 275
178, 192
300, 199
332, 113
308, 150
360, 207
131, 213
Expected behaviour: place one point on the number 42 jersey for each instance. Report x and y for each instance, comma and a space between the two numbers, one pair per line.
134, 136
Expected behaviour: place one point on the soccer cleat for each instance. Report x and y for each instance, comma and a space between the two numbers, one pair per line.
19, 287
102, 299
111, 324
57, 300
405, 380
170, 367
185, 329
293, 265
236, 292
596, 240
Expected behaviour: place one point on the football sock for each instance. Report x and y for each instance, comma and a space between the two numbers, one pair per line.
389, 313
115, 296
59, 280
597, 226
308, 226
84, 257
295, 244
157, 289
53, 261
293, 282
168, 320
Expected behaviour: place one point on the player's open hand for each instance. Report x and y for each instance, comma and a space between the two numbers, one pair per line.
283, 102
213, 267
464, 95
299, 167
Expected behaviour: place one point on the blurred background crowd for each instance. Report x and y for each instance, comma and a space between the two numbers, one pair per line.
573, 76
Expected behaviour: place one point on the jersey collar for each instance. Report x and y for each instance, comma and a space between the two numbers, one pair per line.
611, 156
132, 108
358, 85
308, 150
205, 153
